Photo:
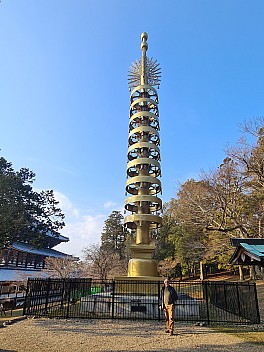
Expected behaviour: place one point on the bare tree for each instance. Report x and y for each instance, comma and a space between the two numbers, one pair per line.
102, 263
227, 191
167, 267
249, 154
63, 268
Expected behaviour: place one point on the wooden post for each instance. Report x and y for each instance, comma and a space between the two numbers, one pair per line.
201, 271
241, 274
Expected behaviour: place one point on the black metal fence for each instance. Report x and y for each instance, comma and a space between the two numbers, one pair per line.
12, 296
209, 302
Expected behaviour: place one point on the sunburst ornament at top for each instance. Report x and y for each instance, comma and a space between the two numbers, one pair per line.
145, 70
152, 72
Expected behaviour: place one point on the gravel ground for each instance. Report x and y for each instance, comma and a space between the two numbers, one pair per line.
37, 335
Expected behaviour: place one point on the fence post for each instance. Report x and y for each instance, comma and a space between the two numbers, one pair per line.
47, 296
113, 300
62, 292
238, 299
207, 302
257, 305
226, 305
69, 298
159, 300
26, 298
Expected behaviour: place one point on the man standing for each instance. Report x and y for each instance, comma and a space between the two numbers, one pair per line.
168, 299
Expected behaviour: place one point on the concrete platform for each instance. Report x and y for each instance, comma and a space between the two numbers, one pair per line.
137, 306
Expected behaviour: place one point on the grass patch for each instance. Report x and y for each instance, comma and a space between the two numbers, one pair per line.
16, 313
251, 334
248, 333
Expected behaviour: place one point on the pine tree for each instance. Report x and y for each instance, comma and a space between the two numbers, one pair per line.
26, 215
113, 237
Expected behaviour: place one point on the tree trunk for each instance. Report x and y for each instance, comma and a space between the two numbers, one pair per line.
180, 273
201, 271
189, 271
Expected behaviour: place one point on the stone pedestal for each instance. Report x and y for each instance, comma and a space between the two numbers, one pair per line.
142, 263
142, 267
146, 285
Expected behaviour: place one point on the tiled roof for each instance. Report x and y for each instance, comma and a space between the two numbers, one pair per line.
58, 237
15, 274
248, 251
257, 250
47, 252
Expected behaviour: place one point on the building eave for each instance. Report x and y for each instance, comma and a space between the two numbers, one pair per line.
249, 251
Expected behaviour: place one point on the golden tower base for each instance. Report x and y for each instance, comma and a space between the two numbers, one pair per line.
142, 267
142, 271
142, 263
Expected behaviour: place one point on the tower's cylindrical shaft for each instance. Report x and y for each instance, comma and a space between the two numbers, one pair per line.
143, 167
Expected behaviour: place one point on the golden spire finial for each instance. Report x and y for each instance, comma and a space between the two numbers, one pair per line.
144, 44
145, 71
144, 48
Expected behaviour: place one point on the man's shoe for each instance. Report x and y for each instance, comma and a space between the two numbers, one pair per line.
167, 331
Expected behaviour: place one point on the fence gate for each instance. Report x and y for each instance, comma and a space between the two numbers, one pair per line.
198, 301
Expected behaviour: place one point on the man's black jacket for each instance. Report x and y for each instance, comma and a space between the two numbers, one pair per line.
172, 297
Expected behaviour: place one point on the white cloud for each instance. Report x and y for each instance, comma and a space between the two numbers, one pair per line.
81, 227
82, 232
66, 205
109, 204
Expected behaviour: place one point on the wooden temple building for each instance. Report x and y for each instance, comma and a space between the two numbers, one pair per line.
248, 251
21, 260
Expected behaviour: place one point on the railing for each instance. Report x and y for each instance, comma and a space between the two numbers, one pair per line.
239, 299
12, 296
210, 302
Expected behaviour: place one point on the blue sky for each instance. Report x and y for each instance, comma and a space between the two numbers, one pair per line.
65, 101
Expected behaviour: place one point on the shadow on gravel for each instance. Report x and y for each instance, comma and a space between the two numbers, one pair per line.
146, 330
207, 348
122, 328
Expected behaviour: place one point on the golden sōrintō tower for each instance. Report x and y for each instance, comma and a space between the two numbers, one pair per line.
143, 184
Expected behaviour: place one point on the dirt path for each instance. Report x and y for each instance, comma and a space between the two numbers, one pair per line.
48, 335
